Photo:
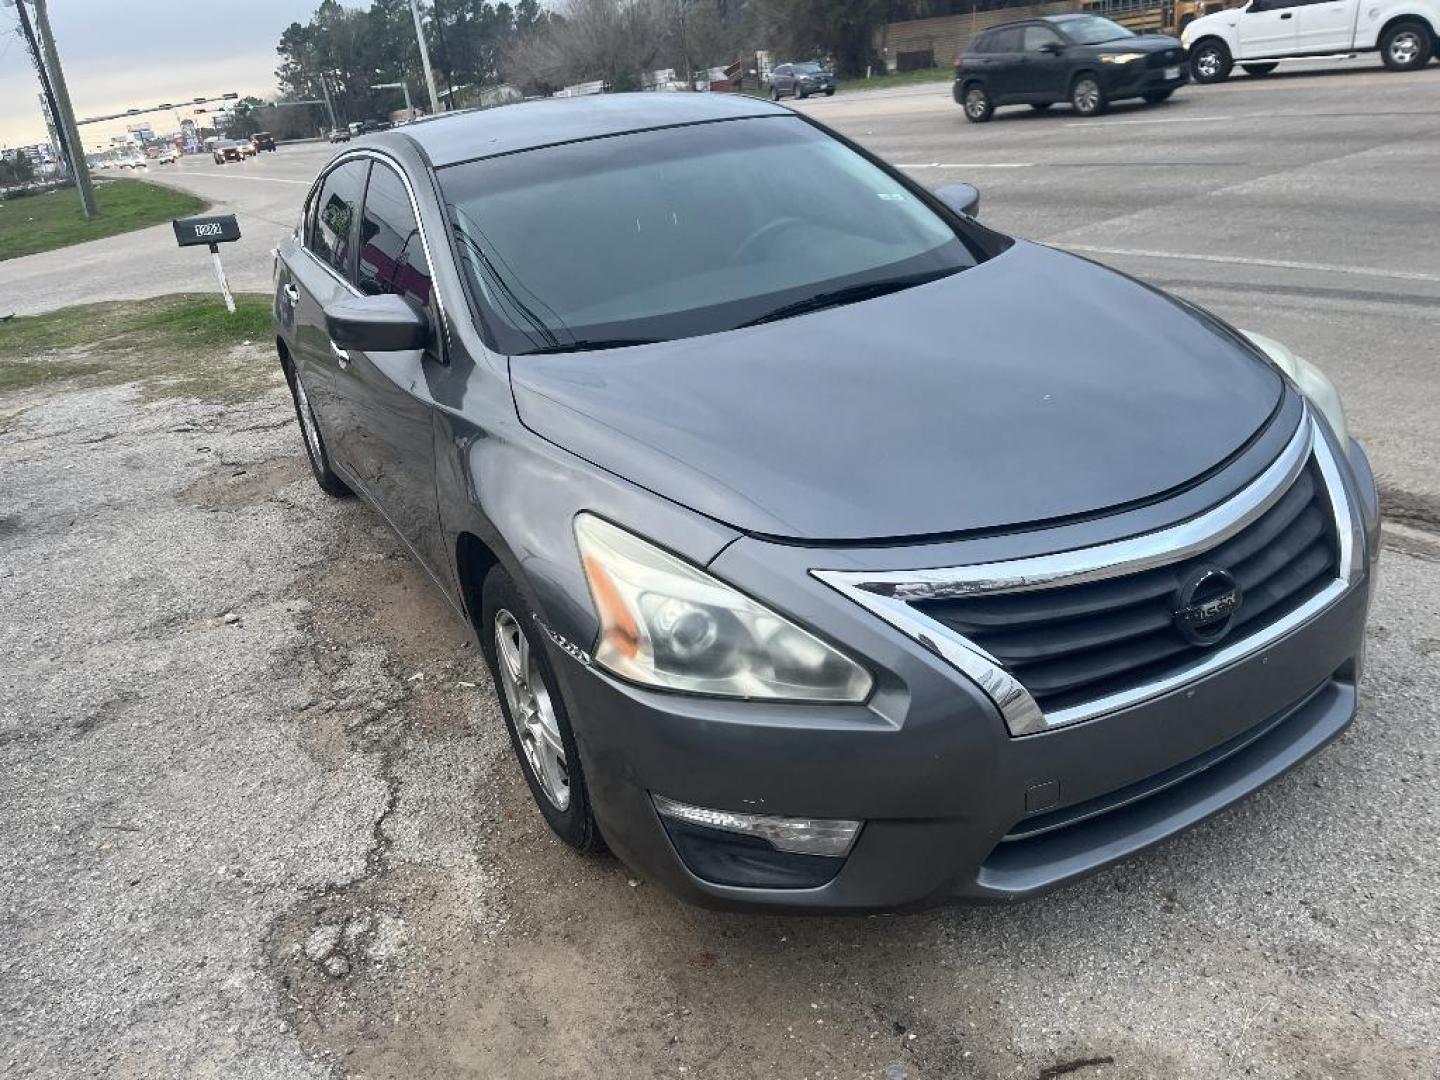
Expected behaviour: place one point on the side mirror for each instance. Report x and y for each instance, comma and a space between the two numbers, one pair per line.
384, 323
962, 198
1054, 48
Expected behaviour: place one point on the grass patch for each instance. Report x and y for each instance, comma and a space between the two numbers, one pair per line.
173, 346
903, 78
54, 220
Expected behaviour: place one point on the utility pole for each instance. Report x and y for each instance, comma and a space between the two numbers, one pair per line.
79, 168
424, 57
325, 93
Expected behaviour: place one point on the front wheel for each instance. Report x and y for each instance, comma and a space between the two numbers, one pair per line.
1406, 47
978, 106
1087, 98
1157, 96
830, 92
1210, 62
534, 712
1259, 70
774, 94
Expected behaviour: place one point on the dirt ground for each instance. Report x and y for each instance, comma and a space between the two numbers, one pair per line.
261, 819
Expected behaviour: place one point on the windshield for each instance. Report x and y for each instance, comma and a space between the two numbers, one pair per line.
1094, 30
808, 68
684, 231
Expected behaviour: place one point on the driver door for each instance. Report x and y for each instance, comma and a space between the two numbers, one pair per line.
1268, 28
1041, 74
388, 435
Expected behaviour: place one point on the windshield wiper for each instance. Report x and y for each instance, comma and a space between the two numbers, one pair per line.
583, 345
849, 295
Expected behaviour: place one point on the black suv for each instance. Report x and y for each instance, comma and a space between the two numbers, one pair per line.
1086, 60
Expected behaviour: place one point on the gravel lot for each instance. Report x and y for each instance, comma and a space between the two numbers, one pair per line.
262, 819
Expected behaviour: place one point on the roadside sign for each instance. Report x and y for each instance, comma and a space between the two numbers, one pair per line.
211, 231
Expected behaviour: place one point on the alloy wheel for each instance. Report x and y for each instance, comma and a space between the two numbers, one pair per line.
1086, 98
975, 102
531, 710
1405, 48
1207, 64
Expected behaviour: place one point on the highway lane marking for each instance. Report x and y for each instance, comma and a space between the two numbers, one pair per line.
1240, 260
1152, 120
239, 176
970, 165
1330, 115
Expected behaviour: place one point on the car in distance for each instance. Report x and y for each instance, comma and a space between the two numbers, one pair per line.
800, 80
1087, 60
262, 140
1260, 34
230, 150
168, 157
339, 135
955, 603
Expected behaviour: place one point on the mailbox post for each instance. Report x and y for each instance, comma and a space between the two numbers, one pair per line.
211, 231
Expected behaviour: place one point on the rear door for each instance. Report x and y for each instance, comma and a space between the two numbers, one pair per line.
388, 436
1005, 54
1268, 28
321, 274
1327, 25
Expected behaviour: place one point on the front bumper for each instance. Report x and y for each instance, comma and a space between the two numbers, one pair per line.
1126, 80
955, 807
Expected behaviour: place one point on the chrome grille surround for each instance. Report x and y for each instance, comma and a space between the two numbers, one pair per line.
891, 594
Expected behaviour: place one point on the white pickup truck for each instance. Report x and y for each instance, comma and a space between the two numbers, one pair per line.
1260, 34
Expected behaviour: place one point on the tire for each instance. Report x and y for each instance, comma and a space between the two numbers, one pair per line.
1258, 71
507, 622
1155, 97
313, 441
774, 94
800, 95
830, 92
1087, 96
977, 103
1406, 46
1210, 61
1041, 106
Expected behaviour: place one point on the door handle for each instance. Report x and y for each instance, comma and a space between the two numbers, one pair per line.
1287, 15
341, 356
291, 293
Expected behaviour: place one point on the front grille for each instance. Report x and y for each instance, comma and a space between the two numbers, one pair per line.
1073, 644
1165, 58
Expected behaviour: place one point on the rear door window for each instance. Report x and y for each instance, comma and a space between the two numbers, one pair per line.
337, 207
1005, 41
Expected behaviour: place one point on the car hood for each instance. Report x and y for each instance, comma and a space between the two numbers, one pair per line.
1036, 385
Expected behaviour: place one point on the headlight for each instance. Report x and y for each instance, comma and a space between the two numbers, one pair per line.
1119, 58
1310, 380
667, 624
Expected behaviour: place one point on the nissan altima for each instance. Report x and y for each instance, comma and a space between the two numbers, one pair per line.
828, 549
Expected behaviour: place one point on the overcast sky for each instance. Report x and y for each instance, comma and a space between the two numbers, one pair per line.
119, 54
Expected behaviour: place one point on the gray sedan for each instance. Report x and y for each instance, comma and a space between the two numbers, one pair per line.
828, 549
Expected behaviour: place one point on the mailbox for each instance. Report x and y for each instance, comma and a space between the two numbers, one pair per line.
211, 232
215, 229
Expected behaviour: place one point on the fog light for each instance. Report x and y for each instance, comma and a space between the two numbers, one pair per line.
800, 836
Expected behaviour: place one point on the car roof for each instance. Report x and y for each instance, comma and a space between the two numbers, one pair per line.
450, 138
1067, 17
